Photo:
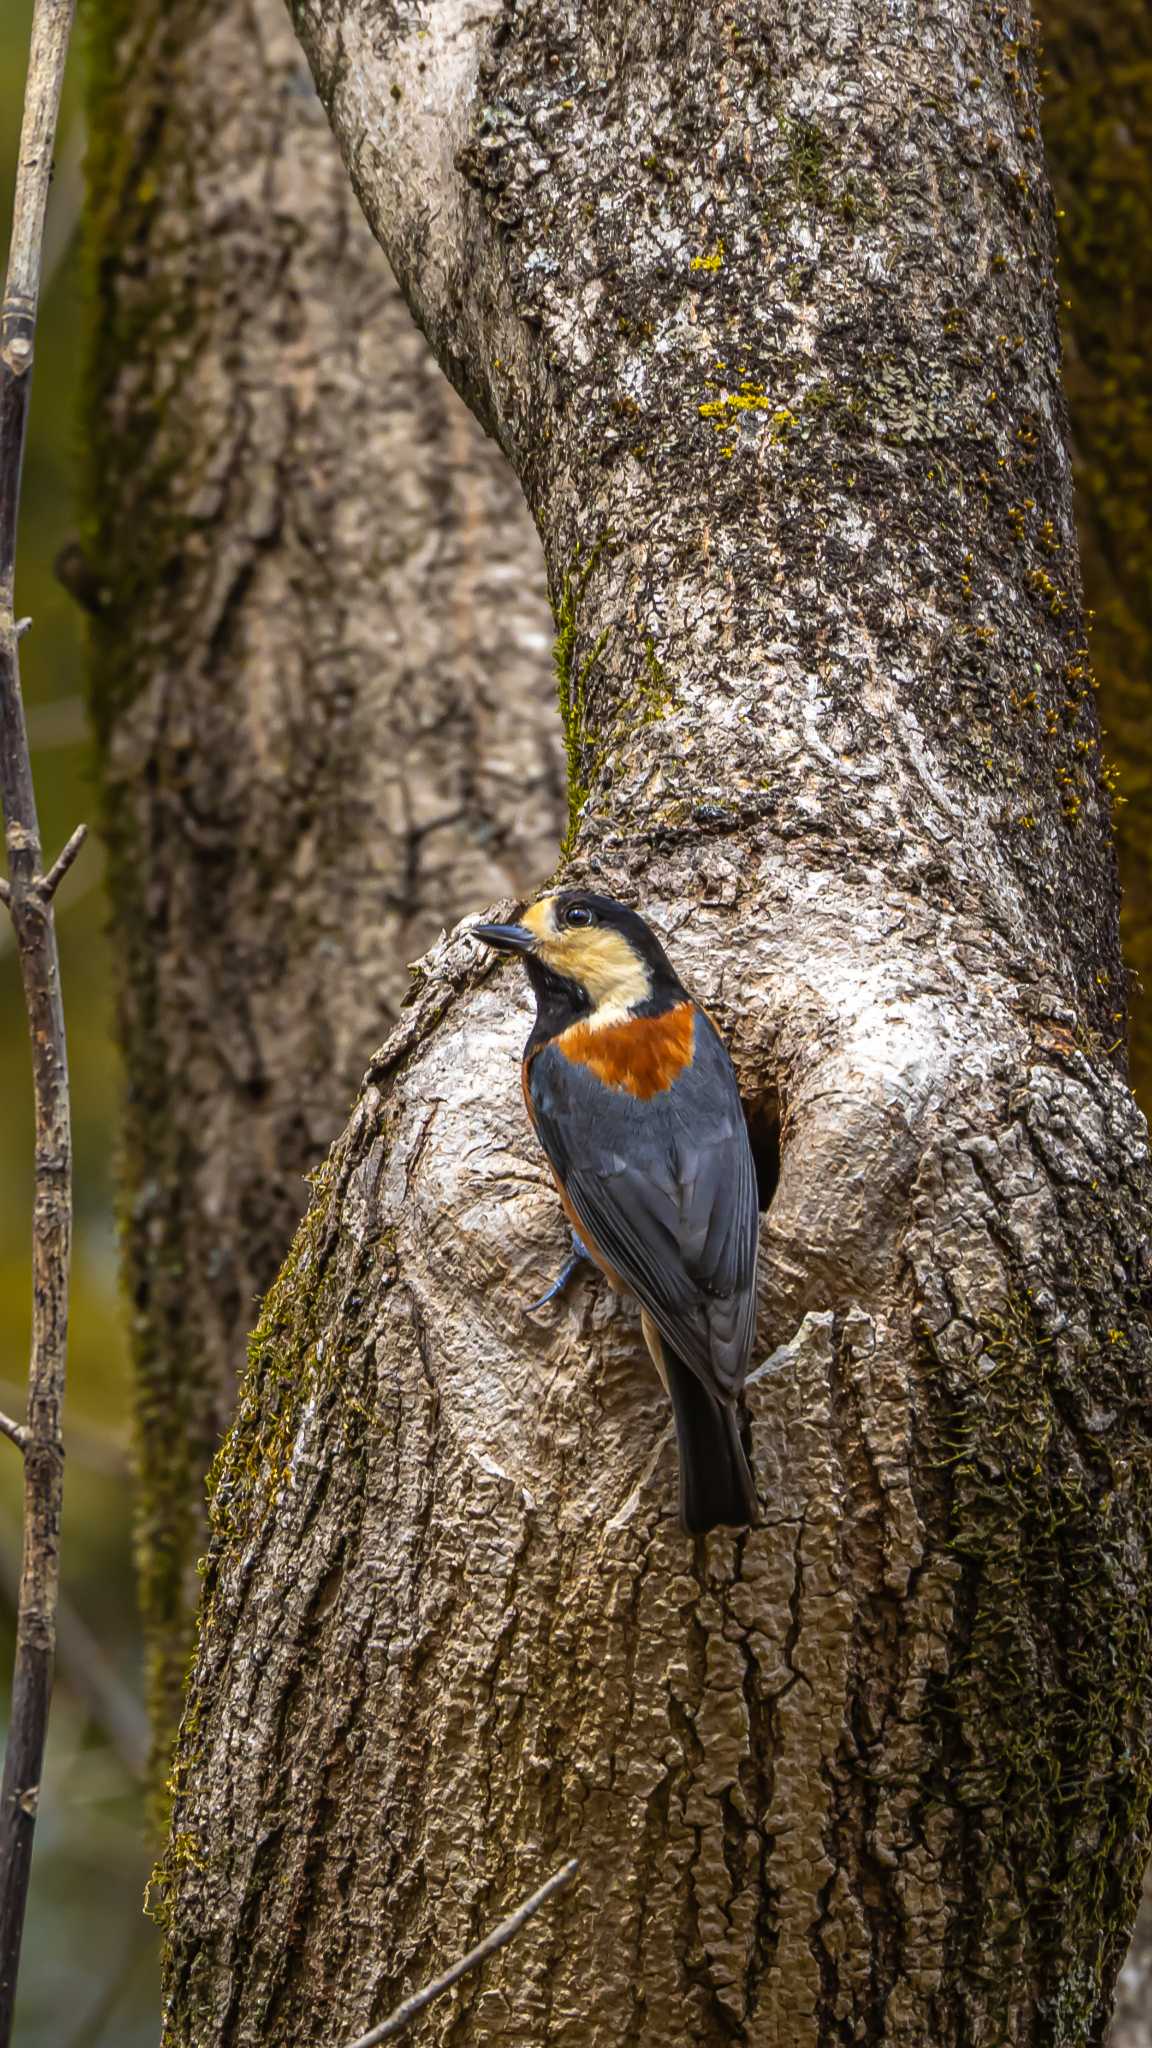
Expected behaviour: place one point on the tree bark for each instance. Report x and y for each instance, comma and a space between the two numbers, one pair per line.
762, 309
321, 684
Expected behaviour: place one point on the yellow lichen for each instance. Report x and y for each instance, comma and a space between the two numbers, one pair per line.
713, 261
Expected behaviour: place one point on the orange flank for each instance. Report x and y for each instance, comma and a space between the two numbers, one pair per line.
641, 1054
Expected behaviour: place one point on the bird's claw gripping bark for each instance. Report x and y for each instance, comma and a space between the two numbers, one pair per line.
579, 1254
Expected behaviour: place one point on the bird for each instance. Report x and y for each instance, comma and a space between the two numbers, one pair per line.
632, 1095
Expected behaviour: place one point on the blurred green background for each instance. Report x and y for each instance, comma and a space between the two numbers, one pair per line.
89, 1976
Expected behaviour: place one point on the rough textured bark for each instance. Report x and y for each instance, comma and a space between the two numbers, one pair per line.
321, 684
760, 301
1098, 132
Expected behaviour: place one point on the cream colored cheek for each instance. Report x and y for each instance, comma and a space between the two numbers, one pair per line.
540, 919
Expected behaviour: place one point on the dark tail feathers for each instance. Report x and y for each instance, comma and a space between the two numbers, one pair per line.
716, 1487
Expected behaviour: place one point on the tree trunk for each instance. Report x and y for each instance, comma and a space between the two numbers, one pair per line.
764, 315
321, 683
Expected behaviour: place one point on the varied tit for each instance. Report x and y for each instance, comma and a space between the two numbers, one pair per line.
633, 1097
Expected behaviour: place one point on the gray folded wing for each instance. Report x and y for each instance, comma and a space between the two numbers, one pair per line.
666, 1189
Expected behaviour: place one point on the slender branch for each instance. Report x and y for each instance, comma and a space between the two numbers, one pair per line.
30, 905
15, 1430
404, 2014
63, 861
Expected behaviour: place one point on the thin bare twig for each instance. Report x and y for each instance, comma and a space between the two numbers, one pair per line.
14, 1430
63, 862
30, 906
404, 2014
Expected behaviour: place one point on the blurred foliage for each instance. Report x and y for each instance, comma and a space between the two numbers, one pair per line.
1098, 135
89, 1971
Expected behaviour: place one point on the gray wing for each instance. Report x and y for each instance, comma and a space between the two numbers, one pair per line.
666, 1190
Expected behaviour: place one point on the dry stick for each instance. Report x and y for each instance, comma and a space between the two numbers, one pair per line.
404, 2014
29, 900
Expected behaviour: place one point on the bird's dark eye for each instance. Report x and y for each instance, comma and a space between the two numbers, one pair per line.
578, 913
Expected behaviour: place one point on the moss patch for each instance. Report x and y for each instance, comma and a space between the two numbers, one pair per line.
1043, 1735
807, 158
572, 674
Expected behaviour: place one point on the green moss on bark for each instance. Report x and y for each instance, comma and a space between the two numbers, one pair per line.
306, 1357
1043, 1737
572, 675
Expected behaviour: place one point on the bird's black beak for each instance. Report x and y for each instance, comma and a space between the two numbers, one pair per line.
506, 938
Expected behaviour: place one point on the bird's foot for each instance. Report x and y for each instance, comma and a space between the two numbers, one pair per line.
579, 1254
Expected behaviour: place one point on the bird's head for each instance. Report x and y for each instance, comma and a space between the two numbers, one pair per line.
591, 953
